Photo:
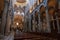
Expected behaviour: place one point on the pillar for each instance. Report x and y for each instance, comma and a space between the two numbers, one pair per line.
4, 17
30, 30
48, 22
8, 24
25, 22
39, 20
9, 17
34, 23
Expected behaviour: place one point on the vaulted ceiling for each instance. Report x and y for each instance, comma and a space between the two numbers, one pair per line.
50, 4
2, 5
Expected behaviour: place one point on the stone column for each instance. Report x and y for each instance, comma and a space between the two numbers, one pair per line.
8, 24
9, 17
29, 23
56, 16
48, 22
26, 18
25, 23
57, 19
39, 20
47, 16
34, 23
4, 18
